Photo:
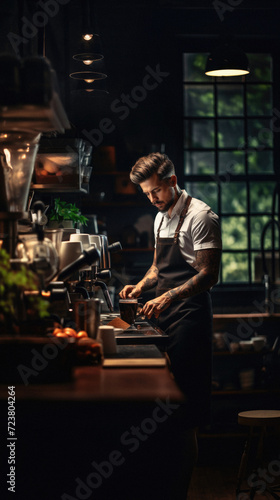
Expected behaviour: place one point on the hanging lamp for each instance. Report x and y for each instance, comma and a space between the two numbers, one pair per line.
227, 60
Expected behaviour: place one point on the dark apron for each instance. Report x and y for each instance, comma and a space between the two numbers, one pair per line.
188, 322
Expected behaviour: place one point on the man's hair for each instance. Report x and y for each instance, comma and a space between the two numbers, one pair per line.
154, 163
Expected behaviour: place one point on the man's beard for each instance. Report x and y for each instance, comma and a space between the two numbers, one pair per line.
167, 205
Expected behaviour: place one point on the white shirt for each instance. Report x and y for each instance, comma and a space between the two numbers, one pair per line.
200, 229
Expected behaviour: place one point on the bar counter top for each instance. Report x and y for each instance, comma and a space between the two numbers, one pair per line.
108, 434
95, 383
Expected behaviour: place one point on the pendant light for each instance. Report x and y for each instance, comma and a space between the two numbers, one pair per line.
227, 60
87, 58
89, 53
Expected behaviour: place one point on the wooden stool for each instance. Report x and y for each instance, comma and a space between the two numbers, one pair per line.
261, 480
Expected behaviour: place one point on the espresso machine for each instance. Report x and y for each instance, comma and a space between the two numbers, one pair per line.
29, 106
88, 279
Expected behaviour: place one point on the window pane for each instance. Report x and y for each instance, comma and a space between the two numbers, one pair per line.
260, 133
199, 134
232, 162
235, 267
199, 162
260, 68
205, 191
230, 100
257, 225
257, 266
260, 162
193, 68
259, 100
234, 197
261, 196
234, 233
230, 133
198, 100
230, 144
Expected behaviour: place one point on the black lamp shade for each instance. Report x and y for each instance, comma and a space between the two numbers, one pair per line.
227, 60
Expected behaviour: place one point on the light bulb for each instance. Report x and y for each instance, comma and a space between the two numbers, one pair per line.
89, 81
87, 36
88, 62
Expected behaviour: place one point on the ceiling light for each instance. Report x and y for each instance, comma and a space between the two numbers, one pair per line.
87, 36
88, 58
88, 76
227, 60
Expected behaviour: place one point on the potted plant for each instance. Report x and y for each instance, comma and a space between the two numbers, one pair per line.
65, 215
13, 308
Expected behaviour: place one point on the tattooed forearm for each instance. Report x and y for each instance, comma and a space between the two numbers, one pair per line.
207, 264
195, 285
150, 279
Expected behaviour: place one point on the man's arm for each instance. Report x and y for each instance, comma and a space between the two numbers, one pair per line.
207, 264
149, 281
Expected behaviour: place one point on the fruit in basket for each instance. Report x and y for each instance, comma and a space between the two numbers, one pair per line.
89, 351
82, 334
57, 330
64, 332
70, 332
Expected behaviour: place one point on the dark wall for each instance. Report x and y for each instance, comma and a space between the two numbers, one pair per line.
136, 38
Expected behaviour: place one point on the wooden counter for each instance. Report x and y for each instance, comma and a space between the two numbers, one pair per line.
109, 434
96, 384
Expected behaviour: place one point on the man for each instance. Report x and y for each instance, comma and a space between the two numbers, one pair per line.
185, 267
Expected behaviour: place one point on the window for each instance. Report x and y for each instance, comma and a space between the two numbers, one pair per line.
228, 156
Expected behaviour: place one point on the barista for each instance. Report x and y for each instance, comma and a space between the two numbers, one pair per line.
185, 267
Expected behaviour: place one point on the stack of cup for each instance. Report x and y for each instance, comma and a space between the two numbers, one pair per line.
69, 252
106, 336
84, 239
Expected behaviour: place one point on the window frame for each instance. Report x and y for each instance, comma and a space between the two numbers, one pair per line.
246, 177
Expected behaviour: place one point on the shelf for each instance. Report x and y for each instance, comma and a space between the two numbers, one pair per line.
254, 320
242, 392
35, 117
52, 188
240, 353
246, 316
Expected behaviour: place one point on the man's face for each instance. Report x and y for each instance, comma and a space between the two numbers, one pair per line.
161, 193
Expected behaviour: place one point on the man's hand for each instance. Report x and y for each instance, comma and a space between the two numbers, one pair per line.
156, 306
130, 292
148, 282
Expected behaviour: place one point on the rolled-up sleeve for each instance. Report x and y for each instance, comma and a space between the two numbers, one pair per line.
206, 231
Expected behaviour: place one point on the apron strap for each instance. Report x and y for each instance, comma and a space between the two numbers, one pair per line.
159, 227
181, 220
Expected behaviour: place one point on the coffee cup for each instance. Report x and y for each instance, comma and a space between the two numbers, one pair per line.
106, 335
69, 252
128, 310
83, 238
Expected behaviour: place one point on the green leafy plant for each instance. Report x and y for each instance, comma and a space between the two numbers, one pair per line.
12, 285
66, 211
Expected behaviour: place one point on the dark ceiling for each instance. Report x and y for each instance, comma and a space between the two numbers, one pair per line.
134, 36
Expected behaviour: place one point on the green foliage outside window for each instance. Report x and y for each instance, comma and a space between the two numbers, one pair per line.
229, 138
